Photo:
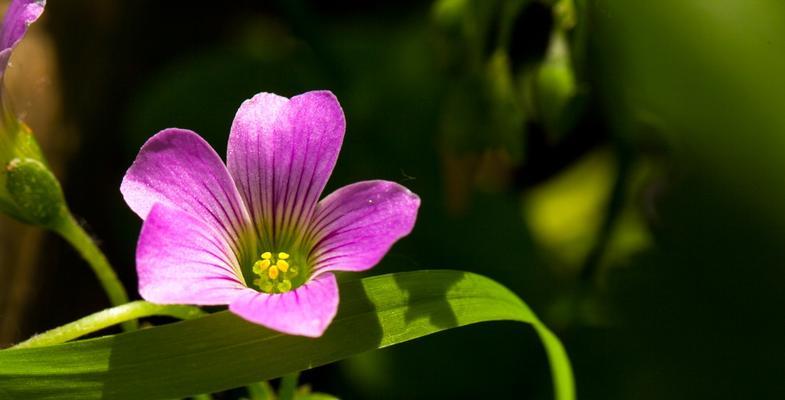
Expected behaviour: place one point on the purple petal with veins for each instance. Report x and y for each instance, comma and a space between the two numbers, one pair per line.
357, 224
181, 261
305, 311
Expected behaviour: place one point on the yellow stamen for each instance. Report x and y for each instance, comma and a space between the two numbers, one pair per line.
264, 264
273, 272
260, 266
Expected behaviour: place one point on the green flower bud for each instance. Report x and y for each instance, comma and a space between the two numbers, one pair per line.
23, 170
555, 89
34, 192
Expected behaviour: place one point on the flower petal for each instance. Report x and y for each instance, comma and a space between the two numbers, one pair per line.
250, 140
282, 169
19, 16
180, 261
305, 311
357, 224
178, 168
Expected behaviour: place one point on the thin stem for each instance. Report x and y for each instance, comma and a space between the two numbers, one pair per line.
288, 386
106, 318
71, 231
261, 391
613, 210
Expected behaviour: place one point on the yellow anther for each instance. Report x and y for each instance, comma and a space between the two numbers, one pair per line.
273, 272
260, 266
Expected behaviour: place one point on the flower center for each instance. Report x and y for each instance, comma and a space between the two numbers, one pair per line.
275, 271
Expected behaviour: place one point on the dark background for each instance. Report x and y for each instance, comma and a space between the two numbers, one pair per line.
617, 164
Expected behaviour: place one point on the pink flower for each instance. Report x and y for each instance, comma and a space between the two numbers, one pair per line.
253, 234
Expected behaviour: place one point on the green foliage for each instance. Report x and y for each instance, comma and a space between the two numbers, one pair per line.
222, 351
711, 74
483, 107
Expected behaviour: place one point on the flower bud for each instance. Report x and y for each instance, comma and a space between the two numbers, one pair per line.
34, 192
556, 89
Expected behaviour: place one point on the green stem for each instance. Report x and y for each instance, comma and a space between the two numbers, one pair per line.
106, 318
288, 386
613, 211
71, 231
261, 391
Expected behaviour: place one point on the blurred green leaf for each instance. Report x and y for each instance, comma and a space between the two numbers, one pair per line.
711, 73
565, 214
222, 351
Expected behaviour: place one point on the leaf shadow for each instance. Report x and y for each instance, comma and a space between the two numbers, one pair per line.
420, 289
223, 351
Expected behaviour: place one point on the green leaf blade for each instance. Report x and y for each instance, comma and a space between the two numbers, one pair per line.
222, 351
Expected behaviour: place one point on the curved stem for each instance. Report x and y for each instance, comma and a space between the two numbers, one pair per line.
613, 210
106, 318
71, 231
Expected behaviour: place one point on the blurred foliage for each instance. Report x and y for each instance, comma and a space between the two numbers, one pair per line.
565, 213
617, 164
